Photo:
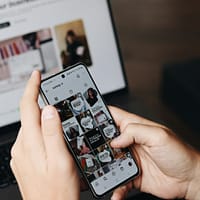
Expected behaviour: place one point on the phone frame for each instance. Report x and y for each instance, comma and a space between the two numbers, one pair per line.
66, 139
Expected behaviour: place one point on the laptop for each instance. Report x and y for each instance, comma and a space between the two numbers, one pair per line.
36, 34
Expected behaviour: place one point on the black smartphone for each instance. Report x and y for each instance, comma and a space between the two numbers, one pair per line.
88, 128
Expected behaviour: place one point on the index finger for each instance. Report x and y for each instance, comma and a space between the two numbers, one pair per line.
123, 118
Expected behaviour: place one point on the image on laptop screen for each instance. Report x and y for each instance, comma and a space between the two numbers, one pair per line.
50, 35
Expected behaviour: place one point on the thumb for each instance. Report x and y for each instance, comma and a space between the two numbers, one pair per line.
140, 134
52, 133
121, 192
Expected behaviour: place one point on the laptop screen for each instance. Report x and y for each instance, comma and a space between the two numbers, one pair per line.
49, 35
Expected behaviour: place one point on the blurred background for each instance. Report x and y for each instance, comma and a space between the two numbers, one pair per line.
160, 43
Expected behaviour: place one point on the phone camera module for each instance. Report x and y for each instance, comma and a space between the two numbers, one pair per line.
63, 76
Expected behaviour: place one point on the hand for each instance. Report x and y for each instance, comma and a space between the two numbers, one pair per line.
41, 163
169, 168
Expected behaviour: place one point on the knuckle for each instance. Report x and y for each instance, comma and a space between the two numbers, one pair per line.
163, 134
127, 128
13, 151
12, 164
131, 128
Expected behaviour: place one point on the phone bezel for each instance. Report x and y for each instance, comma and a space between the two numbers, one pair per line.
66, 139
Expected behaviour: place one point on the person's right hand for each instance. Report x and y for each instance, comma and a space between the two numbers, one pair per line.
169, 168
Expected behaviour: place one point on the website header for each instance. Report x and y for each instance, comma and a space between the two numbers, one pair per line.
11, 4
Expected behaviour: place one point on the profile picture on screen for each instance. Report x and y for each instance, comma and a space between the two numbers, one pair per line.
72, 43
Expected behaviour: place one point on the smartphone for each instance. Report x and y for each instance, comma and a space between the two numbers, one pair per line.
88, 129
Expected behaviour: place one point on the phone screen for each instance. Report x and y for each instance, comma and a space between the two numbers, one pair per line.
89, 128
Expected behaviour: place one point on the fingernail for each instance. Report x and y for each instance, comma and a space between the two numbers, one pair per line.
33, 73
48, 113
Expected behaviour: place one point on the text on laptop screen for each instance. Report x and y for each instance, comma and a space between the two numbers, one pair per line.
49, 35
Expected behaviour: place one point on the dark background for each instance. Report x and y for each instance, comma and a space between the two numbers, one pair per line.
153, 33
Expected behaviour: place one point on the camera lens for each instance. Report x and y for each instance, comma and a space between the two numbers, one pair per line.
63, 76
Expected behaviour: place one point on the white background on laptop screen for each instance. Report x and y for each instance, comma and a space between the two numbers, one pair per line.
50, 15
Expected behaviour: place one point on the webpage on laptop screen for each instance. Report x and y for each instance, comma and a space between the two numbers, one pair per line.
49, 35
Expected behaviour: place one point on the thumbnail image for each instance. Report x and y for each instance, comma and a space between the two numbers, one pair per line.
21, 55
77, 104
95, 138
86, 121
80, 146
89, 163
64, 110
104, 154
109, 130
72, 43
91, 96
73, 131
101, 117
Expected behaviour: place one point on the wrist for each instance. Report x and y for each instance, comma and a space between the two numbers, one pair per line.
193, 192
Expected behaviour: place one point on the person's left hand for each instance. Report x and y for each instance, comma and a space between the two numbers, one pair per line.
41, 163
